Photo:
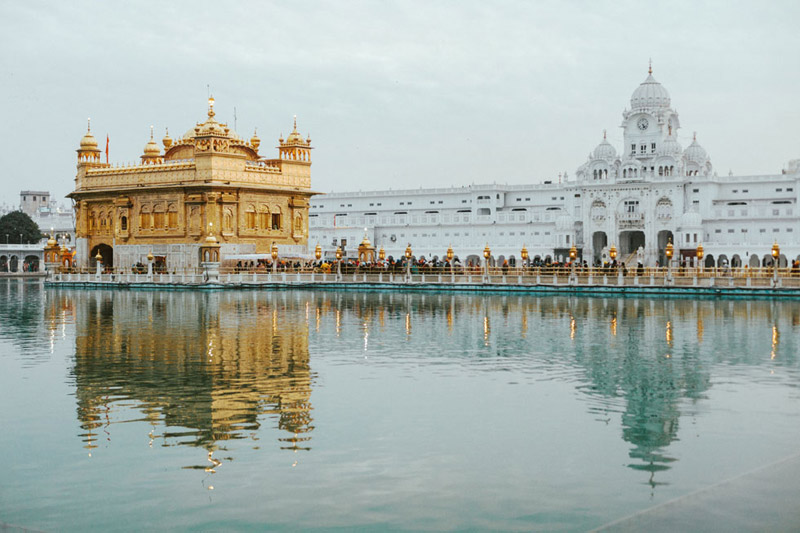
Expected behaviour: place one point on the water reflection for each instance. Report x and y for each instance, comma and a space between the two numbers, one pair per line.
206, 368
201, 368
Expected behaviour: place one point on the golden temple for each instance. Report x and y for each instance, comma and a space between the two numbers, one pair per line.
209, 185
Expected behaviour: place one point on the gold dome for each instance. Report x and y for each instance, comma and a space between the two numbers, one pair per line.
51, 242
88, 142
295, 137
167, 140
151, 149
211, 239
255, 142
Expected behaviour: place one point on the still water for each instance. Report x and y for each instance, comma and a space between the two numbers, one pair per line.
131, 410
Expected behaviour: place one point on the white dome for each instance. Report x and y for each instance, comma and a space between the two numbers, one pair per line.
650, 94
564, 222
691, 220
604, 150
695, 153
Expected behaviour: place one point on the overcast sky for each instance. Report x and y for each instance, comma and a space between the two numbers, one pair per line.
396, 94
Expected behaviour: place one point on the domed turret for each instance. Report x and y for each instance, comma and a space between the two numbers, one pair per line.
255, 142
295, 137
671, 146
167, 140
604, 150
695, 153
564, 222
650, 94
88, 152
690, 219
152, 153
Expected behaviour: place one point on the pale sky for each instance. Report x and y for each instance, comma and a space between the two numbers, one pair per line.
396, 94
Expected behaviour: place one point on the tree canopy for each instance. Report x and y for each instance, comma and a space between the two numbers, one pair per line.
16, 224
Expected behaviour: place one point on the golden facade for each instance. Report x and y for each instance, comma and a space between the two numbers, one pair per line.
210, 182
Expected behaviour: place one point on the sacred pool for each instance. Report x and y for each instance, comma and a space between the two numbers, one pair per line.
251, 410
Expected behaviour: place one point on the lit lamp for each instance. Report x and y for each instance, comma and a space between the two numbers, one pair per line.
409, 253
381, 254
612, 253
573, 255
524, 254
487, 253
700, 256
450, 255
150, 265
274, 256
318, 252
668, 252
99, 259
338, 263
776, 253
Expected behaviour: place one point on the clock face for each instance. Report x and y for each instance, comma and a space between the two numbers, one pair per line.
642, 123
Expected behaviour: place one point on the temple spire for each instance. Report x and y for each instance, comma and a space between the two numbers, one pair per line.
650, 66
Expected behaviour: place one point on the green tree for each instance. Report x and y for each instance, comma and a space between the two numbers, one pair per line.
16, 224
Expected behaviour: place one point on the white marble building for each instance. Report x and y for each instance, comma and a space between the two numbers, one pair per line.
649, 191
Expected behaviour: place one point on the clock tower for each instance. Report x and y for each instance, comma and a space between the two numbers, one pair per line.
650, 130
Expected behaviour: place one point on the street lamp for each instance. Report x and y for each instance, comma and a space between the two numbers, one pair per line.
450, 255
668, 252
409, 253
776, 253
487, 253
98, 262
524, 254
612, 253
274, 253
318, 252
381, 254
573, 255
700, 256
338, 263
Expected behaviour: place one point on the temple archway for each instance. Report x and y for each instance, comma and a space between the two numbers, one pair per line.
106, 252
599, 241
630, 241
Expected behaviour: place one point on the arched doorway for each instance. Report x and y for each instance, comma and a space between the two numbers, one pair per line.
665, 237
630, 241
106, 252
736, 261
31, 263
599, 241
753, 262
722, 260
709, 261
13, 264
3, 263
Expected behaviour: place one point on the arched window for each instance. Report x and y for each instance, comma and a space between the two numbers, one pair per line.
159, 220
145, 218
250, 217
263, 217
123, 223
276, 219
227, 219
172, 216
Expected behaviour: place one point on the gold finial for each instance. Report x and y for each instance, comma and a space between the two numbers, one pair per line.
211, 106
694, 136
295, 123
151, 132
650, 66
604, 135
89, 125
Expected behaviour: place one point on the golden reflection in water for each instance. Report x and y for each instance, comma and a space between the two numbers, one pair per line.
338, 322
524, 328
776, 338
572, 327
408, 324
668, 335
200, 366
700, 330
614, 326
487, 329
449, 314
